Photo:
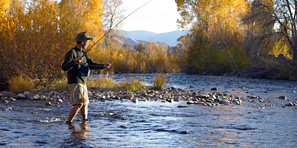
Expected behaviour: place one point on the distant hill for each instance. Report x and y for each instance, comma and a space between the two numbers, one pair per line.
134, 42
136, 37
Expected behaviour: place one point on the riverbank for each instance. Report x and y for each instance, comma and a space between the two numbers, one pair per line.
211, 98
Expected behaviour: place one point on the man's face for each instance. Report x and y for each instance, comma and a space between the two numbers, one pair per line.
85, 44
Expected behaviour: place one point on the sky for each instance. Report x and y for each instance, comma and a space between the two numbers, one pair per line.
158, 16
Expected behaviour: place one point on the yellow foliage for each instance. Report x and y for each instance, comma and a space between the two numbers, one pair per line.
35, 37
87, 13
159, 81
20, 84
154, 59
60, 84
280, 47
102, 82
4, 7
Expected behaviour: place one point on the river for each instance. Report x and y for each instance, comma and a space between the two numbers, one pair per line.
162, 124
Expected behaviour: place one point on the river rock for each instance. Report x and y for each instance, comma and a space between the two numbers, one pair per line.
43, 97
214, 89
173, 88
117, 98
26, 93
282, 97
35, 97
177, 99
135, 100
142, 99
252, 101
12, 99
191, 102
143, 94
169, 100
253, 97
225, 102
182, 106
8, 108
5, 98
213, 96
260, 107
291, 104
21, 96
6, 94
237, 102
5, 101
60, 100
261, 100
48, 104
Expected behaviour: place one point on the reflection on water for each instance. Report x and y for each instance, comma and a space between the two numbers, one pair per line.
154, 124
157, 124
79, 132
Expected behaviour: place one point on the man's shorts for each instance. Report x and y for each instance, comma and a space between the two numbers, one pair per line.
78, 94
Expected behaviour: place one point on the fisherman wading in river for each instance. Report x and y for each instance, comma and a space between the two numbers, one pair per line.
77, 62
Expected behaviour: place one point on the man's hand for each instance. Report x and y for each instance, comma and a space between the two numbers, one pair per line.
78, 60
107, 65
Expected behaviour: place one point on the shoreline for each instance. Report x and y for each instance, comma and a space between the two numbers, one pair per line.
172, 94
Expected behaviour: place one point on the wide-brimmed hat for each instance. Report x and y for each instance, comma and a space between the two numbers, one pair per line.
82, 37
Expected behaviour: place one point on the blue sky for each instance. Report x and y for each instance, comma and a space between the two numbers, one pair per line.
158, 16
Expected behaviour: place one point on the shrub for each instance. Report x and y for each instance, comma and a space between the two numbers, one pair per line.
19, 84
159, 82
60, 84
132, 84
102, 82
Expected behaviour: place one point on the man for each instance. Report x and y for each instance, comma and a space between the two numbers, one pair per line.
77, 62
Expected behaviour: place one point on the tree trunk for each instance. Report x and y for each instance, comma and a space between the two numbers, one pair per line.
294, 49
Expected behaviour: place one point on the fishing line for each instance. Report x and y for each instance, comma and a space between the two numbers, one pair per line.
109, 30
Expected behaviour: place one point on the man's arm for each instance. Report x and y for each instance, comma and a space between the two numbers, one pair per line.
68, 61
94, 65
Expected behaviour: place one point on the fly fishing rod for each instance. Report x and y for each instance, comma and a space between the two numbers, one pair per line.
112, 28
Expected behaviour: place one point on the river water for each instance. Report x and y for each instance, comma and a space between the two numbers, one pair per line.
161, 124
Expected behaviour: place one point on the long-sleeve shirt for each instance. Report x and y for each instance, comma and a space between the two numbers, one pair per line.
69, 65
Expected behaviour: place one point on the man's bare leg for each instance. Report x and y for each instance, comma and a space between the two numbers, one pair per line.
74, 110
84, 112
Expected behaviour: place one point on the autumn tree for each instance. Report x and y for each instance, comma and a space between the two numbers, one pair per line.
284, 15
259, 28
113, 13
36, 34
87, 13
140, 47
215, 33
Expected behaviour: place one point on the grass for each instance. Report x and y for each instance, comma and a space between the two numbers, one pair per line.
60, 85
103, 82
20, 84
132, 84
159, 82
107, 83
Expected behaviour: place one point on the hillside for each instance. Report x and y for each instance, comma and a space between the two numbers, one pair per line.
136, 37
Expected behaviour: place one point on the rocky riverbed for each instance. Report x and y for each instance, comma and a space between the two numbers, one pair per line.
172, 94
